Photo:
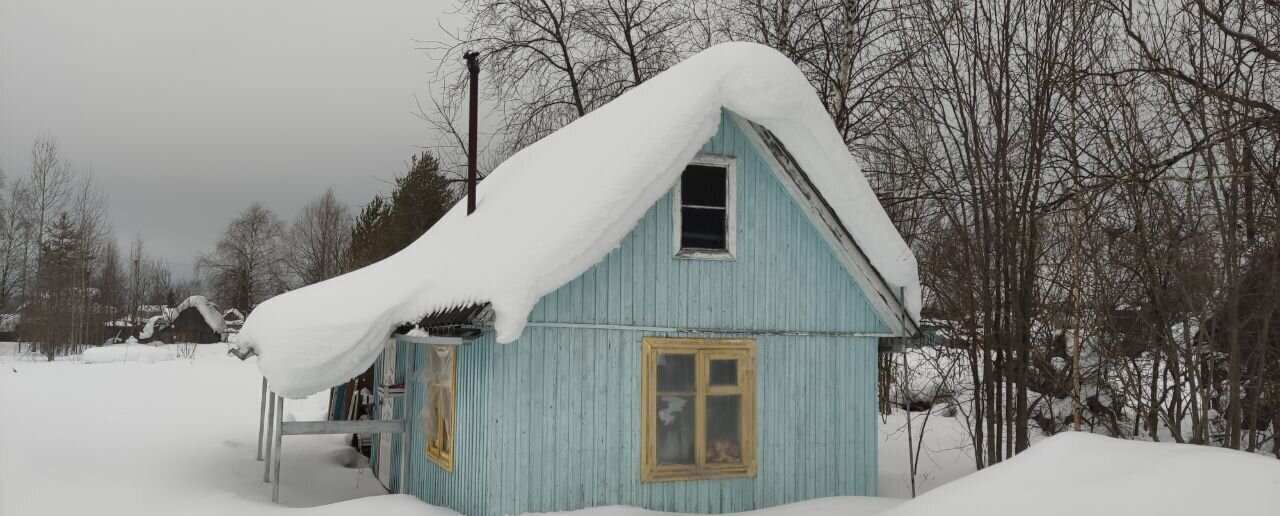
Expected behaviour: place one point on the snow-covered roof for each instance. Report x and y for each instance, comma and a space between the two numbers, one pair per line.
559, 206
233, 315
208, 311
154, 323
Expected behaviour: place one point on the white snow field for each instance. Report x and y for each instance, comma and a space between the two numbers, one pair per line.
165, 438
128, 352
178, 437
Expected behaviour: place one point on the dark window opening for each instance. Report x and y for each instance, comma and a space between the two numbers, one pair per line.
704, 203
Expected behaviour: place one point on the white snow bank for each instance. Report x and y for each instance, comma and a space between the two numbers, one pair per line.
1074, 474
171, 438
559, 206
126, 353
840, 505
208, 311
386, 505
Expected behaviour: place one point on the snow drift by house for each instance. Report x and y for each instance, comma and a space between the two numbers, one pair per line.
558, 207
1074, 474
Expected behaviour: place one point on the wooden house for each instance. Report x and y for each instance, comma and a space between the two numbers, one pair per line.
672, 303
195, 321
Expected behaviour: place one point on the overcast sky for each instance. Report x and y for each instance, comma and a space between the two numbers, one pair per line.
188, 111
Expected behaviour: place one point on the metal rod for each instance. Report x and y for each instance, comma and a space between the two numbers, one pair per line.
473, 68
271, 418
275, 490
262, 416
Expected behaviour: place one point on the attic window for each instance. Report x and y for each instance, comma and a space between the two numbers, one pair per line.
704, 209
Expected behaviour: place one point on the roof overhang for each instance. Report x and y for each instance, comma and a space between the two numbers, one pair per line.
452, 327
884, 298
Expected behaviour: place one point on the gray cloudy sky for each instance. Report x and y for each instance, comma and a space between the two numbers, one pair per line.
188, 111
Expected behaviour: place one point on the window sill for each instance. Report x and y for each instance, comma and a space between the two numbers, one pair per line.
705, 254
679, 474
445, 463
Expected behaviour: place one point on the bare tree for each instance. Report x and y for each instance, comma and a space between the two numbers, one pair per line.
50, 186
316, 243
246, 266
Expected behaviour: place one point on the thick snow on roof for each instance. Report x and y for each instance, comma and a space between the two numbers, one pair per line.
154, 323
556, 208
208, 311
1075, 474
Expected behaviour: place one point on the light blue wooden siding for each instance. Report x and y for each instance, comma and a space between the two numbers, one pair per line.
552, 421
785, 277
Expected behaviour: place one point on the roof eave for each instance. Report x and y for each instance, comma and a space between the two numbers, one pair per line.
886, 300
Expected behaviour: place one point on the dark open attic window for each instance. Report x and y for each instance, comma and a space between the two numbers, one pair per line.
704, 216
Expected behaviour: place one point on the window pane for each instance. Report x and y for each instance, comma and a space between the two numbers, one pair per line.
703, 185
702, 228
724, 438
675, 373
724, 372
675, 430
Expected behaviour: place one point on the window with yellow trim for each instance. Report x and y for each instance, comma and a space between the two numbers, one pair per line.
699, 409
440, 407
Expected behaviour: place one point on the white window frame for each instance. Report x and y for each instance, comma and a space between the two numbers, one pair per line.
730, 164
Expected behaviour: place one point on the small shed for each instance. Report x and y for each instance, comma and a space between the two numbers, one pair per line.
673, 302
233, 318
9, 324
197, 321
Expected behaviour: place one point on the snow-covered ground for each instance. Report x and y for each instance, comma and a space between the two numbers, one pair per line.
162, 438
178, 437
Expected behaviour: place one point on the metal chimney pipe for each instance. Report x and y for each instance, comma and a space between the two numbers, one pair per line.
473, 68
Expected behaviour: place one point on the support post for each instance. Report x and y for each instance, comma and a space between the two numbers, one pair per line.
279, 424
409, 371
262, 416
271, 419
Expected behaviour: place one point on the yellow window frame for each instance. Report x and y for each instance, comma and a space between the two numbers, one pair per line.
440, 448
704, 350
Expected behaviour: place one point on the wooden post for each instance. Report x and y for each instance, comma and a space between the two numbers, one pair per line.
262, 416
409, 371
279, 424
271, 418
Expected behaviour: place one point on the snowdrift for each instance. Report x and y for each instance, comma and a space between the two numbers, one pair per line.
1074, 474
559, 206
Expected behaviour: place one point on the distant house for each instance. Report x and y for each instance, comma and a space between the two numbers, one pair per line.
197, 321
673, 302
233, 318
9, 326
152, 330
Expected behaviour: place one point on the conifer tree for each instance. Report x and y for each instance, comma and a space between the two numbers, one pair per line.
387, 225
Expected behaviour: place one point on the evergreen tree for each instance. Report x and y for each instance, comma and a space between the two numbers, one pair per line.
62, 260
387, 225
365, 235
